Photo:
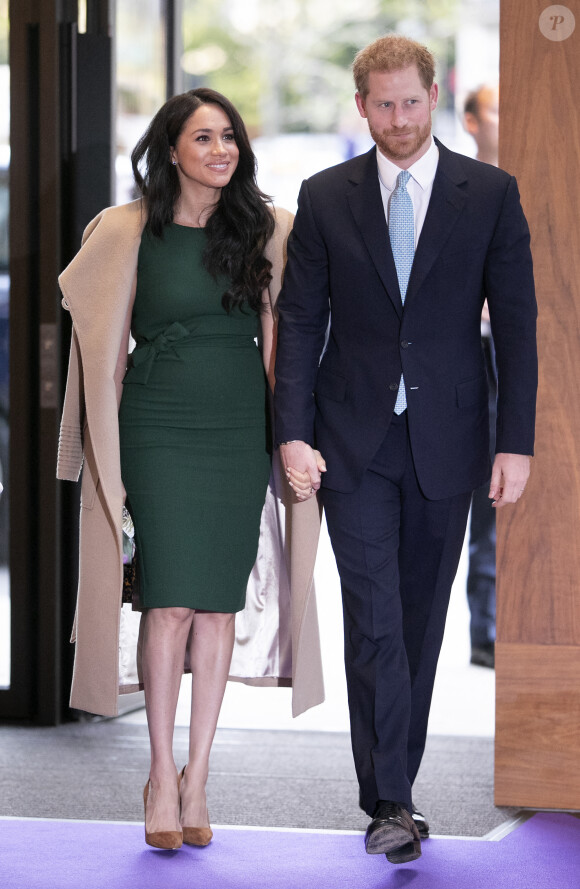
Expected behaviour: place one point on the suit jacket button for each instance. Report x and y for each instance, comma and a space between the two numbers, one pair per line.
404, 344
393, 387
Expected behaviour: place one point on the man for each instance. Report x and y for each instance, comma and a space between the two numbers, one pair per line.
481, 120
386, 280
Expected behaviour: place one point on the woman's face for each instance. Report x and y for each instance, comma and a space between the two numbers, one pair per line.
206, 153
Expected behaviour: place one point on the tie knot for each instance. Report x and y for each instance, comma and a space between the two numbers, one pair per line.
403, 178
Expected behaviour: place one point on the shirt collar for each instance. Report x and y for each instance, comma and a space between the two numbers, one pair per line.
423, 171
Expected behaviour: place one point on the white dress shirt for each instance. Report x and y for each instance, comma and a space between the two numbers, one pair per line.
419, 186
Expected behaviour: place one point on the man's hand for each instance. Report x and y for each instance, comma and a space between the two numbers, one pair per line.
303, 466
508, 478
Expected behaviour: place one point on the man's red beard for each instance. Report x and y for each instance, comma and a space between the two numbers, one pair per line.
401, 149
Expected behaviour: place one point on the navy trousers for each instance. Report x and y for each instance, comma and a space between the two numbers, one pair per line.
397, 555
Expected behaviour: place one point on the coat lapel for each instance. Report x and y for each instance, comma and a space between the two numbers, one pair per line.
96, 287
366, 204
445, 206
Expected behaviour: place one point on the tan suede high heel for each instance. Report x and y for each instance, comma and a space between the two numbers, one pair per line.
194, 836
161, 839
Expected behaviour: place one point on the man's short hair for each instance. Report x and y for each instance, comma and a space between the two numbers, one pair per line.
480, 98
392, 53
472, 103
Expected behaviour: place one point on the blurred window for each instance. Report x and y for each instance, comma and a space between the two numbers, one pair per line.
140, 66
286, 67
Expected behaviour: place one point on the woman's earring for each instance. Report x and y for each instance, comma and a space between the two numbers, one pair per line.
174, 163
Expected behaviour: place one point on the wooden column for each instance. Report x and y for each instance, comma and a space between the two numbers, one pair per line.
538, 551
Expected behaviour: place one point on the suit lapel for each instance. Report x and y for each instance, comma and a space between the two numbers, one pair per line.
366, 204
445, 206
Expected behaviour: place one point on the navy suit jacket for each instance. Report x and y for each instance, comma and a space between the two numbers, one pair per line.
341, 301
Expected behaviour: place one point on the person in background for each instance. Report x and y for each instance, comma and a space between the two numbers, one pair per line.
481, 120
379, 366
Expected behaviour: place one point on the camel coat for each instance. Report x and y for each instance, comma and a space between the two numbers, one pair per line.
277, 635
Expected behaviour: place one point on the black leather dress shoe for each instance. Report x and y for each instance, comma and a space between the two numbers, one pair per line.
421, 823
483, 655
393, 831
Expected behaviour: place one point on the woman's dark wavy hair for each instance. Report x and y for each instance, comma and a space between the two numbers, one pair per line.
239, 227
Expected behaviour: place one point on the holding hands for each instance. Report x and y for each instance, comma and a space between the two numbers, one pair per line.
302, 465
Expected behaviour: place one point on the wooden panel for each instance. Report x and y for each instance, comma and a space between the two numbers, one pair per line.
538, 548
537, 726
539, 541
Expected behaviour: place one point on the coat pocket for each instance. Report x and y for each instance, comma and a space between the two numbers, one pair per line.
472, 392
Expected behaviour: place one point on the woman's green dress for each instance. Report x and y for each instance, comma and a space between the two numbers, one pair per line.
194, 449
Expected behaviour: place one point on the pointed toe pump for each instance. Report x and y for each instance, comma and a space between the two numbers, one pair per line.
195, 836
160, 839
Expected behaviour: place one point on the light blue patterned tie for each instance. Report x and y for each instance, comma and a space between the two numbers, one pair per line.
402, 236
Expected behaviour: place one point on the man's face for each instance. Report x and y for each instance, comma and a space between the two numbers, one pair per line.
398, 110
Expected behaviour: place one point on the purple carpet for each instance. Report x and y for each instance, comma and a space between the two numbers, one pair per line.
543, 853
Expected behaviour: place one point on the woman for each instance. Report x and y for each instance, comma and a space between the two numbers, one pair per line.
189, 273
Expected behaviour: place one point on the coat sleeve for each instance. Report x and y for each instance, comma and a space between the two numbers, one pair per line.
303, 316
509, 288
70, 443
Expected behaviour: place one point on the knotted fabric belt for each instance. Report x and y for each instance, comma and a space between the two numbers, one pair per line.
146, 352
